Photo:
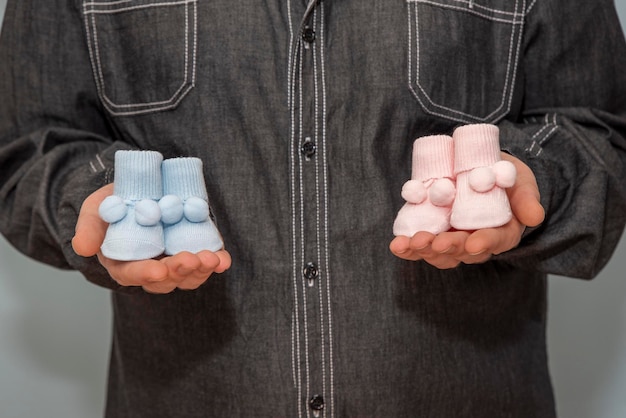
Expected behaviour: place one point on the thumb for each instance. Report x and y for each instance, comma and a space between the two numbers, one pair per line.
90, 228
524, 195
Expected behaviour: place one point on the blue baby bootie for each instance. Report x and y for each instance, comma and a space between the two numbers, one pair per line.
185, 212
135, 231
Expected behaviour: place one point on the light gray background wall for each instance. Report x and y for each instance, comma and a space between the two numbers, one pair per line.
55, 335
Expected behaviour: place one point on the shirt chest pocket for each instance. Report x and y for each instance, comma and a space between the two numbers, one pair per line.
143, 52
463, 56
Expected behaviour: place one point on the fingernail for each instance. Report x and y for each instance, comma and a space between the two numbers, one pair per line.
448, 250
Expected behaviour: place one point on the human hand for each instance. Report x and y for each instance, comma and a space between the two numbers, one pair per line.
183, 271
449, 249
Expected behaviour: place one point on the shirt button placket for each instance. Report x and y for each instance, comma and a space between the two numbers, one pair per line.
308, 36
310, 183
308, 148
310, 273
316, 403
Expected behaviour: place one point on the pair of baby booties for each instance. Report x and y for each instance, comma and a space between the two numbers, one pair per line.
162, 206
456, 182
158, 206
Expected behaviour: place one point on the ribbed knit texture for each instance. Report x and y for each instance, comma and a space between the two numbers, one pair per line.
137, 177
432, 157
183, 177
477, 146
432, 162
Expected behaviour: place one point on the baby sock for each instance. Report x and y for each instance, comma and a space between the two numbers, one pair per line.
134, 231
185, 209
481, 177
430, 192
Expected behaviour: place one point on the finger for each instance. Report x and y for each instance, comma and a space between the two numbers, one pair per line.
90, 228
452, 249
443, 261
409, 256
189, 271
399, 246
450, 243
526, 206
217, 262
181, 265
225, 261
161, 288
475, 259
524, 195
418, 247
186, 265
135, 273
447, 249
494, 240
192, 283
210, 262
421, 241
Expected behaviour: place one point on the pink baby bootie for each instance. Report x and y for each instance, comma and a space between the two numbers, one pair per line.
430, 192
481, 177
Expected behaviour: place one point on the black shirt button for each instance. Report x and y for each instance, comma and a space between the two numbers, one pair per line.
308, 35
308, 149
316, 403
310, 271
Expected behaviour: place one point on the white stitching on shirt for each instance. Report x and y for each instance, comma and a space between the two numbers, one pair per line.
326, 222
295, 347
295, 69
462, 117
112, 3
472, 10
470, 3
130, 8
327, 336
539, 138
302, 231
109, 176
530, 6
99, 159
317, 197
504, 90
163, 102
187, 83
517, 54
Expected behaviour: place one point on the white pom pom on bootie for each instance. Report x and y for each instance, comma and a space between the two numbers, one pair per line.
430, 192
481, 177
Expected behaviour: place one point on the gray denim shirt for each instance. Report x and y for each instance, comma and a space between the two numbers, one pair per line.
304, 116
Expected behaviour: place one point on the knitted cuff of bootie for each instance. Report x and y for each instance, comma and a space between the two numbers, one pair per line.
430, 192
186, 215
133, 214
481, 177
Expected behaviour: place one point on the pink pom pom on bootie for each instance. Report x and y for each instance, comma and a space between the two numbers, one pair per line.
481, 177
430, 192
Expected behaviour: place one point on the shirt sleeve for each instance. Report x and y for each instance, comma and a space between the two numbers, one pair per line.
573, 135
55, 145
